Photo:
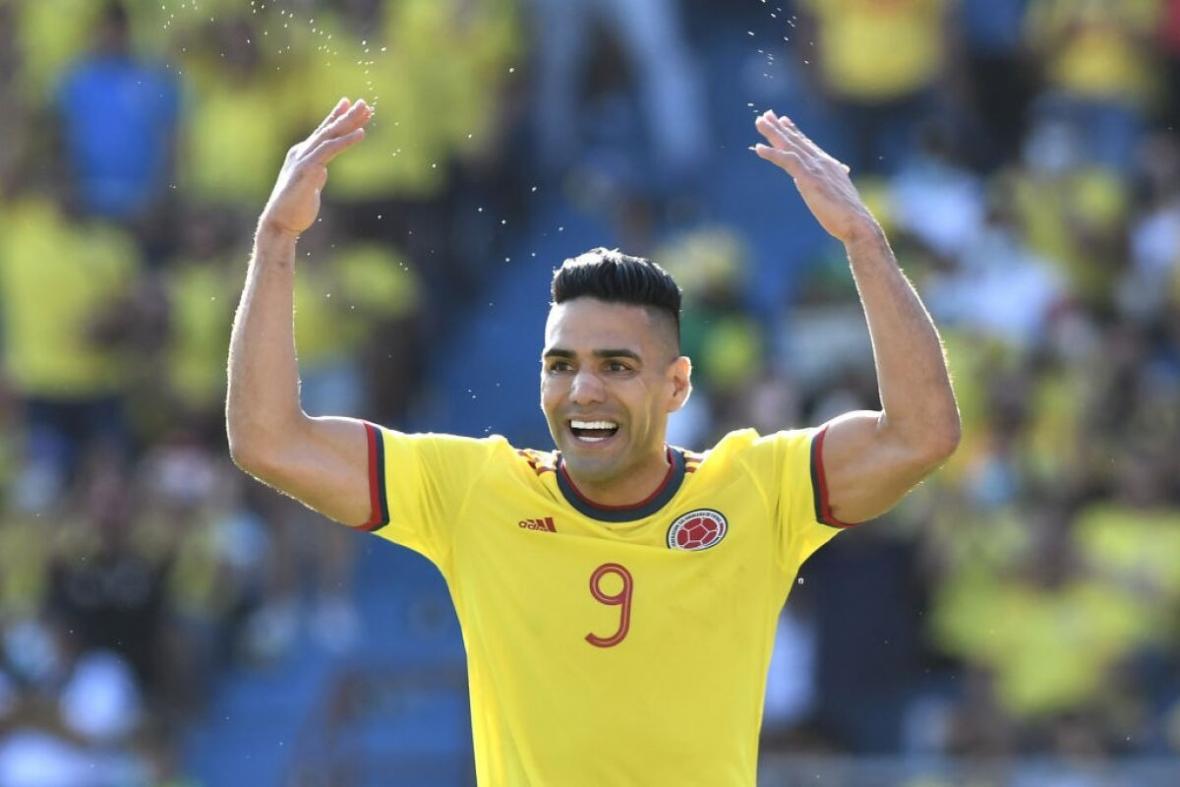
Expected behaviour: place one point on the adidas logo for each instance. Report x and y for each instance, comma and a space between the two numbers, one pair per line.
538, 524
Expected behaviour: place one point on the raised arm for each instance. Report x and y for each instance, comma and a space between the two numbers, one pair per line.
322, 462
871, 459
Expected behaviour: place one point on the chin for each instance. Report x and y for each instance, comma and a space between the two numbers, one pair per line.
594, 469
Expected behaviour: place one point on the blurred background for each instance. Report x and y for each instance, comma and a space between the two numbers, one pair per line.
166, 621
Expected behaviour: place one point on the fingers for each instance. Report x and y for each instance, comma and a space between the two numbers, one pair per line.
789, 126
789, 160
341, 106
331, 148
347, 121
776, 137
779, 132
784, 135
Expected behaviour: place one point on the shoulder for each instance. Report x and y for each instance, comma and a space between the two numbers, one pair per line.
749, 440
786, 438
450, 453
441, 442
770, 454
539, 462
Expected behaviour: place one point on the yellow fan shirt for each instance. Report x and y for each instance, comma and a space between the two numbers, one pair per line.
620, 646
58, 276
879, 50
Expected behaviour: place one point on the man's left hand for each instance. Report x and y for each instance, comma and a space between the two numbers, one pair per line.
822, 181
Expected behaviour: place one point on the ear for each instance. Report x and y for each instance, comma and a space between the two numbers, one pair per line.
680, 376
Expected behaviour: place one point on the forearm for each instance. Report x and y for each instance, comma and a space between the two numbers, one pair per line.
263, 398
917, 401
871, 459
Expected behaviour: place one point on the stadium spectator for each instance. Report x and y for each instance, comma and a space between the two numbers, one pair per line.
119, 117
995, 63
1072, 210
241, 113
1099, 69
650, 37
65, 356
879, 92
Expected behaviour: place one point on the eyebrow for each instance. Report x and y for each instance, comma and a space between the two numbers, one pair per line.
559, 352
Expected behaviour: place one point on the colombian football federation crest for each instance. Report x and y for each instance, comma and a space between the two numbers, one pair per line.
697, 530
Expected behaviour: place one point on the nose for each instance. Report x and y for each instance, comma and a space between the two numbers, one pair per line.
586, 388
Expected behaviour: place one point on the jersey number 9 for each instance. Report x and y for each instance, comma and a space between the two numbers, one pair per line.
621, 599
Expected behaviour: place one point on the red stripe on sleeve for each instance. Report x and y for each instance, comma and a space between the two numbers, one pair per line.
374, 481
825, 506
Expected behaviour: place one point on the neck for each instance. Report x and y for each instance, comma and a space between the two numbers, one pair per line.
634, 487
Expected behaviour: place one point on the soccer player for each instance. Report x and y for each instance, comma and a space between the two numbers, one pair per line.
618, 596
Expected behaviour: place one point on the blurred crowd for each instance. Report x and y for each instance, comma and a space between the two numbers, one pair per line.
1024, 160
1020, 153
141, 141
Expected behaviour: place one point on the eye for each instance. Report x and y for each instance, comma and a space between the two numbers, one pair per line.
558, 367
617, 366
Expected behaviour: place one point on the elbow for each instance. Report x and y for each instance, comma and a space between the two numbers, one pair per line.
924, 448
245, 452
941, 442
257, 441
250, 450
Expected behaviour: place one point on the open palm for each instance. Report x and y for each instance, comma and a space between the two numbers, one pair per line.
295, 201
823, 182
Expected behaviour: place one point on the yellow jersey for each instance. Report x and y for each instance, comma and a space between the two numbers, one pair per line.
609, 645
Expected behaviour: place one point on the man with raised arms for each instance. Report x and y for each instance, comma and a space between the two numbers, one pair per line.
618, 596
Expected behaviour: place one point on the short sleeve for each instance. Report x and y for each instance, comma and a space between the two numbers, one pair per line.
419, 485
791, 466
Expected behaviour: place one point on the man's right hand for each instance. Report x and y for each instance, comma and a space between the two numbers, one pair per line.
295, 201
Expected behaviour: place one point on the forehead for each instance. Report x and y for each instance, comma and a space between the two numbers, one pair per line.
588, 324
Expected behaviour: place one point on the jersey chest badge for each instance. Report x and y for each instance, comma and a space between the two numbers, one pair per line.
697, 530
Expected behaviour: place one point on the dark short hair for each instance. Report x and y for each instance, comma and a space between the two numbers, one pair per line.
614, 277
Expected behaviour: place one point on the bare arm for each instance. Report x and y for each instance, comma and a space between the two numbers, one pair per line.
871, 459
322, 462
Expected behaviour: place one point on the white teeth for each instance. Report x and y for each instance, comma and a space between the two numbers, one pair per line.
594, 424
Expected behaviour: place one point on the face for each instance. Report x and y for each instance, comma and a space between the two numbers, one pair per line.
610, 376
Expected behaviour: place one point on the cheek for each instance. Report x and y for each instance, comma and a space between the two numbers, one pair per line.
551, 393
645, 402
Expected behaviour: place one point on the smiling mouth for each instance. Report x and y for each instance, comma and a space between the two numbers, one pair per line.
593, 431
